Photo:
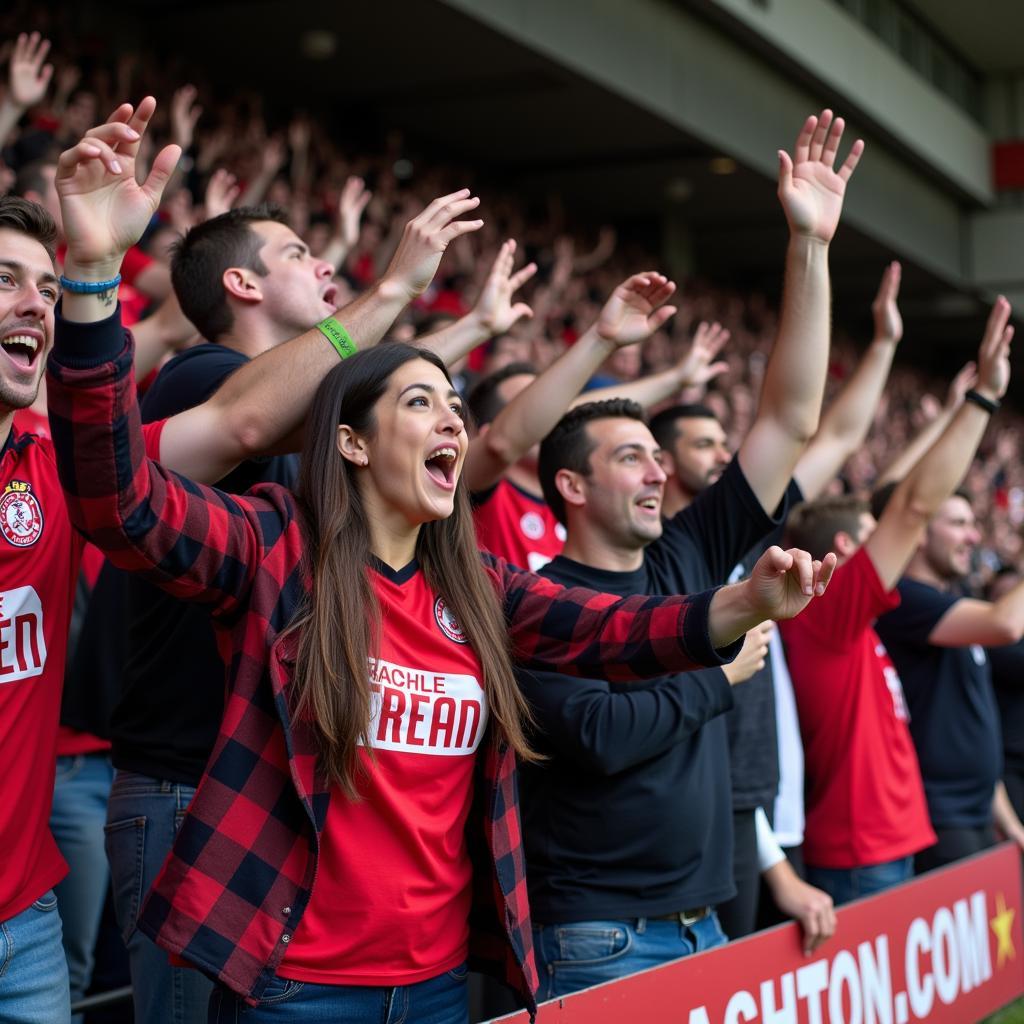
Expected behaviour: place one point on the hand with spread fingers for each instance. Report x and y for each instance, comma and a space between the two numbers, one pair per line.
636, 309
697, 367
425, 239
810, 189
104, 209
28, 77
494, 309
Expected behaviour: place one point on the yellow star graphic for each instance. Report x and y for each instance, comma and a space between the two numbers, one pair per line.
1001, 925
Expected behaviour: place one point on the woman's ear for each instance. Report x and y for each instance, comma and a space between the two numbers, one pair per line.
352, 447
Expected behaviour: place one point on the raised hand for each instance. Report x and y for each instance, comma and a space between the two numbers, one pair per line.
28, 77
185, 115
994, 353
104, 209
425, 239
810, 190
961, 384
354, 198
494, 309
636, 309
886, 313
221, 192
696, 367
783, 583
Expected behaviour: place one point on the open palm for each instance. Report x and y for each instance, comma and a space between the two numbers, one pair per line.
105, 210
810, 189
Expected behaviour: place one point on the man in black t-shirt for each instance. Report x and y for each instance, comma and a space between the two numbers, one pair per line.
630, 820
936, 639
762, 728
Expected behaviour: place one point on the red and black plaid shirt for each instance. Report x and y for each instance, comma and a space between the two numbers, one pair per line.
241, 872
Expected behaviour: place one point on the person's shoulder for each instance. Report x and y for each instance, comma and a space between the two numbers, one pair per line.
189, 378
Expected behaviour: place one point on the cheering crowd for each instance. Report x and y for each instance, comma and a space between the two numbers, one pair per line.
391, 578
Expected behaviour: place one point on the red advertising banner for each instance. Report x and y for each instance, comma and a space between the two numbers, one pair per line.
946, 948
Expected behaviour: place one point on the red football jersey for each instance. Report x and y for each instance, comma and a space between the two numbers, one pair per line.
39, 560
518, 527
865, 797
392, 895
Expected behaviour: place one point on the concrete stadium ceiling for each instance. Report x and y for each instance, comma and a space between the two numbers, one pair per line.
988, 34
465, 95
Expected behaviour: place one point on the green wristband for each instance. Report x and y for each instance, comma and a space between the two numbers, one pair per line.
338, 337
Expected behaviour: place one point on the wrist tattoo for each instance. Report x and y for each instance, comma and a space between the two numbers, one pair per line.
109, 297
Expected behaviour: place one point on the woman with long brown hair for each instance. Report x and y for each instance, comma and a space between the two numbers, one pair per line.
355, 838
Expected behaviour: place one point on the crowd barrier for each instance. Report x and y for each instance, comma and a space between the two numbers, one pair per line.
946, 947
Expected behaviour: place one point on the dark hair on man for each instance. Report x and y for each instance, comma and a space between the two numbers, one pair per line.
17, 214
664, 424
30, 178
813, 525
484, 401
569, 446
199, 260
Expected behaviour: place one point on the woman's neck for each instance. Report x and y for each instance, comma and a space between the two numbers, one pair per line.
394, 543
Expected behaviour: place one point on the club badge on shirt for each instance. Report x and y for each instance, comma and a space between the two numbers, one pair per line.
21, 516
447, 622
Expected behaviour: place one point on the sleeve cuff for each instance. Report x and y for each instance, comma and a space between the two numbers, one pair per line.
697, 633
82, 346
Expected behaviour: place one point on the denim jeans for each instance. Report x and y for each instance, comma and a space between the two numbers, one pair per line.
440, 1000
143, 817
584, 953
846, 884
33, 970
80, 794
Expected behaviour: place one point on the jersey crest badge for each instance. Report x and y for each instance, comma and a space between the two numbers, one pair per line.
532, 526
21, 516
447, 622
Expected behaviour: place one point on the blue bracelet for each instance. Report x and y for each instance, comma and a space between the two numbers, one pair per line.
89, 287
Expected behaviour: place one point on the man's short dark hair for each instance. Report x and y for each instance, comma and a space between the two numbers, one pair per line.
813, 525
484, 400
664, 426
199, 260
17, 214
569, 446
30, 178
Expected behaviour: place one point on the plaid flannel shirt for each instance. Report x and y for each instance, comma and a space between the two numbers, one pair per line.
243, 865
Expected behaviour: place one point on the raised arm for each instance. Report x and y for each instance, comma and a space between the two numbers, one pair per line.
197, 543
906, 459
848, 419
918, 496
635, 311
28, 78
811, 193
262, 406
493, 313
696, 369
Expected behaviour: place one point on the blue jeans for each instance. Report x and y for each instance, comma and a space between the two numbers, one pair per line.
33, 970
143, 817
584, 953
846, 884
440, 1000
79, 811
